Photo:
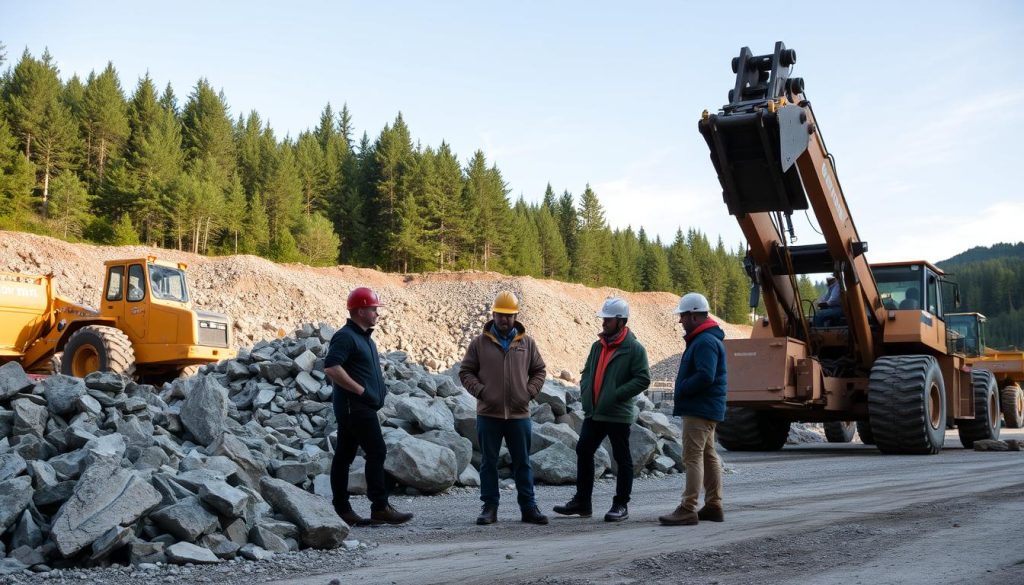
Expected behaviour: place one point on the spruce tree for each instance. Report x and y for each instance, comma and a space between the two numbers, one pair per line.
207, 134
69, 205
317, 243
686, 275
524, 250
554, 260
626, 257
593, 263
106, 120
310, 166
256, 236
569, 226
124, 233
17, 179
449, 219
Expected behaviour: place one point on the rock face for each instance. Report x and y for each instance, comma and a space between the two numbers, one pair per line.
106, 496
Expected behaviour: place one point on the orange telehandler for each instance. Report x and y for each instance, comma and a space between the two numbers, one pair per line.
889, 361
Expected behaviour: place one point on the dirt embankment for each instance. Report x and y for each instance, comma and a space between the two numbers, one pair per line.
431, 316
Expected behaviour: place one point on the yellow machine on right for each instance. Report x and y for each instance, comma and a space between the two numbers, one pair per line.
1006, 365
886, 359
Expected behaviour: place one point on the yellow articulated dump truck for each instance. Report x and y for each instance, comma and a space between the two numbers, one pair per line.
145, 326
1006, 365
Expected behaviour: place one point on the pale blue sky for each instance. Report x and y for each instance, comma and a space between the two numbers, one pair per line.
921, 103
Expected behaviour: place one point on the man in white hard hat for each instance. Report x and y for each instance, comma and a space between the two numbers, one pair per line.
503, 370
700, 400
616, 371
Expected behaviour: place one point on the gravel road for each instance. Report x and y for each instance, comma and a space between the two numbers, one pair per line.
815, 513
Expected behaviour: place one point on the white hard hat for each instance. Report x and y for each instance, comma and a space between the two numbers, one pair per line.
614, 307
693, 303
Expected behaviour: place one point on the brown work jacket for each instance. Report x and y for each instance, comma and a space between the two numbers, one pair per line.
503, 382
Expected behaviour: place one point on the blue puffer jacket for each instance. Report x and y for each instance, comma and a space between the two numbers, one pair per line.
700, 384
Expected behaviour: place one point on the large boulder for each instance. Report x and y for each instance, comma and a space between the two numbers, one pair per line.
250, 470
106, 496
429, 415
546, 434
643, 447
660, 425
461, 446
62, 392
319, 525
554, 396
423, 465
29, 417
13, 380
555, 465
187, 520
205, 410
15, 496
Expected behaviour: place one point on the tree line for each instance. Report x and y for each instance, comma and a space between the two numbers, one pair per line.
84, 161
991, 282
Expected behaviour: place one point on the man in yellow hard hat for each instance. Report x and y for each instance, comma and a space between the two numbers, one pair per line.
503, 370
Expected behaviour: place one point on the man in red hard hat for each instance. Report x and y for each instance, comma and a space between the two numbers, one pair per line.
353, 365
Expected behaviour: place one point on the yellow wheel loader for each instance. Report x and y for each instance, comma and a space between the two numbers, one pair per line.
145, 327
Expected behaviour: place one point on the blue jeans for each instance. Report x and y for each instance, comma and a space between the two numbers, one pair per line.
829, 317
516, 432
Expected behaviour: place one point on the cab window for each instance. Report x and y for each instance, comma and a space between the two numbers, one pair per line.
933, 296
899, 286
136, 283
115, 283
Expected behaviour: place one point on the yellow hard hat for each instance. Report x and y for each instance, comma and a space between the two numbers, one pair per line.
505, 302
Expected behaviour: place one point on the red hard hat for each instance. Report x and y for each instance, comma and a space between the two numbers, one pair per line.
362, 297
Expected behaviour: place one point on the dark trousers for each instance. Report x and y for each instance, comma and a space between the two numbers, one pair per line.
516, 433
591, 435
359, 428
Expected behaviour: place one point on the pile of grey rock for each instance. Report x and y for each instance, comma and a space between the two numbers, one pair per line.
235, 461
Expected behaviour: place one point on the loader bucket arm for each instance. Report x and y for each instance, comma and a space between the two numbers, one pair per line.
771, 161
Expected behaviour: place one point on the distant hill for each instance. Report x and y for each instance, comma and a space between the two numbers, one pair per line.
992, 282
980, 253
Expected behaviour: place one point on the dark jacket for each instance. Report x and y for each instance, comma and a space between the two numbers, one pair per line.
701, 382
503, 382
353, 349
626, 375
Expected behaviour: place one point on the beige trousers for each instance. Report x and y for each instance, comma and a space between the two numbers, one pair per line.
703, 467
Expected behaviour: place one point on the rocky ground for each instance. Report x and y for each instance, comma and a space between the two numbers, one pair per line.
432, 317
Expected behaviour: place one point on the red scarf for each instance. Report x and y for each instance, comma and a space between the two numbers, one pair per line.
707, 324
608, 349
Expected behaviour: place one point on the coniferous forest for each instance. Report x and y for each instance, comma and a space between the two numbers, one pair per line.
92, 160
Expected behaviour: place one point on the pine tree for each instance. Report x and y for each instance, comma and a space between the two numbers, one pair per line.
317, 243
392, 163
524, 250
310, 166
207, 134
486, 199
626, 256
568, 226
415, 241
593, 263
449, 217
283, 201
234, 215
686, 276
550, 201
17, 179
105, 121
654, 272
39, 117
554, 260
124, 233
256, 236
69, 205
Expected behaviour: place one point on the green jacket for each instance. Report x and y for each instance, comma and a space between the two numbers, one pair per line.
626, 375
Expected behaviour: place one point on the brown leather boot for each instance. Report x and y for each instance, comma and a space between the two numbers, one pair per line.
711, 514
352, 519
389, 515
680, 517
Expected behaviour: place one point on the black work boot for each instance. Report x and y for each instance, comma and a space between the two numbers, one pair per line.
389, 515
711, 514
575, 507
617, 513
488, 515
532, 515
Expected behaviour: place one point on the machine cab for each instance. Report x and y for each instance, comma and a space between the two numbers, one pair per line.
967, 333
913, 286
132, 288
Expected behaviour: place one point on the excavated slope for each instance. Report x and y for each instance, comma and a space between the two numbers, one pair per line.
431, 316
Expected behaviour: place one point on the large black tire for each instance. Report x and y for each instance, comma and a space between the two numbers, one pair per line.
96, 348
745, 429
907, 405
1012, 405
985, 424
864, 430
839, 432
